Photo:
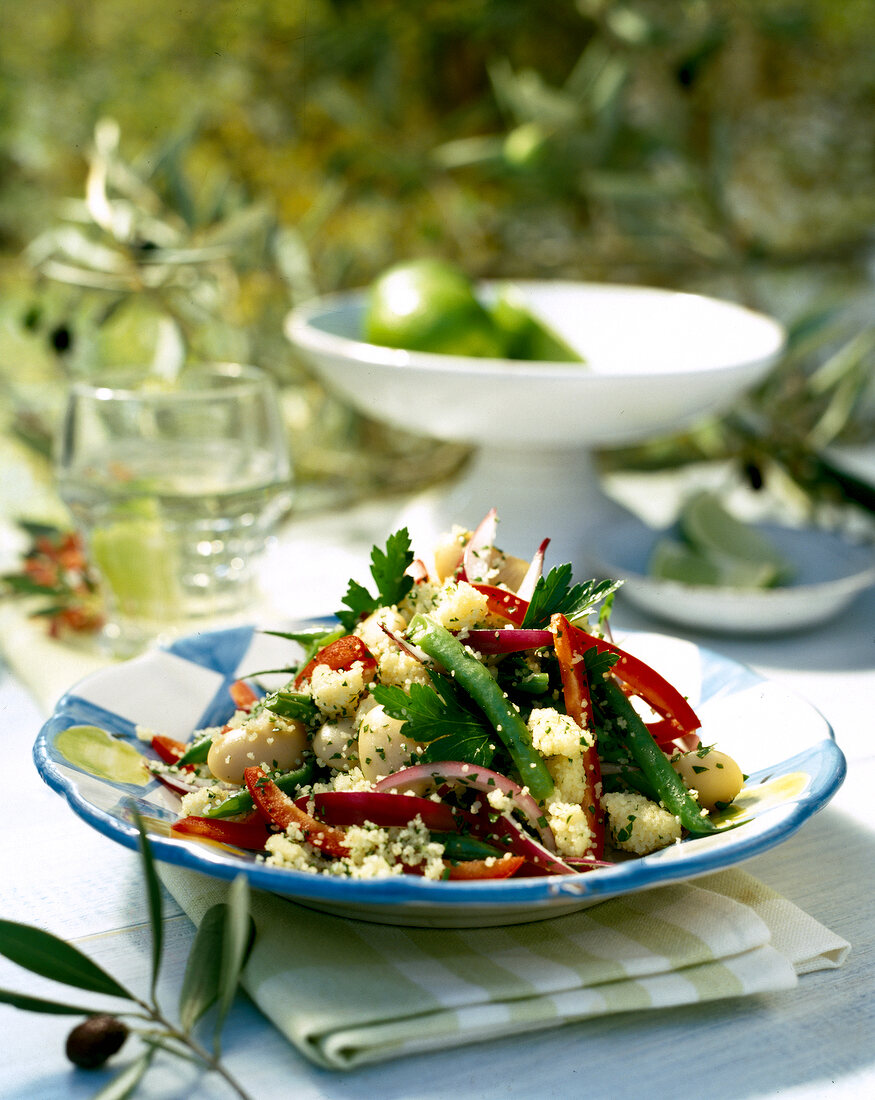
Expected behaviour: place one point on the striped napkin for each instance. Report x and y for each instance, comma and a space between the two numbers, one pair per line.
347, 993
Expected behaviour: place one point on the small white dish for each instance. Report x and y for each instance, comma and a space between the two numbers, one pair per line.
829, 573
784, 744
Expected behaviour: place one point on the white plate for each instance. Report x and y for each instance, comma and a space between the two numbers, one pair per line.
779, 740
830, 572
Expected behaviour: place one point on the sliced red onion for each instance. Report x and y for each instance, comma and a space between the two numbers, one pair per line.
379, 808
477, 556
478, 778
418, 570
513, 836
583, 863
507, 640
534, 573
179, 785
407, 647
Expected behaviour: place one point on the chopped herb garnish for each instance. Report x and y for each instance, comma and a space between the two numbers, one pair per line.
624, 833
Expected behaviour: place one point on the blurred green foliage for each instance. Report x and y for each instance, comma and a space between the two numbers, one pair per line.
723, 145
590, 138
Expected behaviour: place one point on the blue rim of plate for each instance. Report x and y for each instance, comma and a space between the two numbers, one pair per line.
221, 652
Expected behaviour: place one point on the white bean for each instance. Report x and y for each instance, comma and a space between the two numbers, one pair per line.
334, 745
257, 743
382, 749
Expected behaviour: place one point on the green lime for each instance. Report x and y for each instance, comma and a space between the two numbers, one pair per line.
430, 305
527, 336
712, 530
676, 561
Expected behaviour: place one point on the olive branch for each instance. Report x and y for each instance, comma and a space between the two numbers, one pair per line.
212, 975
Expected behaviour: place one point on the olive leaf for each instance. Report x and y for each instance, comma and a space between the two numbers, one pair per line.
52, 957
239, 935
40, 1004
200, 983
214, 964
124, 1083
153, 894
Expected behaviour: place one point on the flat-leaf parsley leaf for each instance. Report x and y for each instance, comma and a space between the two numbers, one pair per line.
435, 716
389, 570
555, 595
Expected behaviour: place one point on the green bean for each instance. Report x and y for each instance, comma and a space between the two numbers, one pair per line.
458, 847
197, 752
291, 704
654, 764
476, 680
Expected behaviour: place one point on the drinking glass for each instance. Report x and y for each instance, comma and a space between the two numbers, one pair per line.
176, 489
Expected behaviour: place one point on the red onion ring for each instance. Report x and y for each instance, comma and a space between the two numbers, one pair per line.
478, 778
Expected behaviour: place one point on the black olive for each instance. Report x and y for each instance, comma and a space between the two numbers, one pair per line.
754, 475
94, 1040
61, 338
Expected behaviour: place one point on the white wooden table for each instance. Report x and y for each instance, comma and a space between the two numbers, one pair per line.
817, 1040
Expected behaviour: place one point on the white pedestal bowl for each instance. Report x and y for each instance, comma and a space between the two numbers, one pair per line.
655, 361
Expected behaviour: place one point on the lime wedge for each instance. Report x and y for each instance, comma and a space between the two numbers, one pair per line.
710, 529
136, 560
676, 561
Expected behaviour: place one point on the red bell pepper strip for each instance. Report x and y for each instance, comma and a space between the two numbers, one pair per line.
282, 811
483, 868
243, 696
340, 655
250, 835
168, 749
503, 603
575, 688
665, 733
502, 867
645, 681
